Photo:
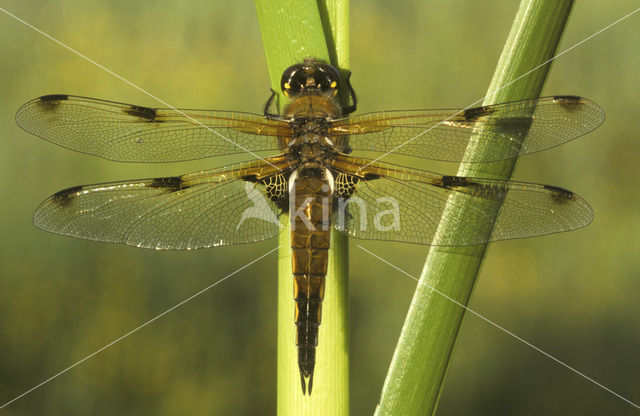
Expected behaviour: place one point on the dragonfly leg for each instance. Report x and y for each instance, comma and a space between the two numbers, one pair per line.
354, 100
267, 114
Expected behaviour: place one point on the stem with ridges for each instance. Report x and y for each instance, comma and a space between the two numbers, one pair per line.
418, 369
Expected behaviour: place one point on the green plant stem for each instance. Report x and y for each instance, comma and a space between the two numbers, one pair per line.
292, 31
418, 368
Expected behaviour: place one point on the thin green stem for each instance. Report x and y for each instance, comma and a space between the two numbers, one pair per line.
418, 369
292, 31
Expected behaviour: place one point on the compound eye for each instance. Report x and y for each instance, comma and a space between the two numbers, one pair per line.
290, 81
330, 78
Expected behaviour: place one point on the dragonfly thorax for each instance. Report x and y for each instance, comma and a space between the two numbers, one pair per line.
312, 106
311, 149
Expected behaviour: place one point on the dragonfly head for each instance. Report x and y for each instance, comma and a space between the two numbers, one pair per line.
311, 76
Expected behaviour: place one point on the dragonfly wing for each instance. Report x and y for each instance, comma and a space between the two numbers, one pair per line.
407, 205
224, 206
130, 133
504, 130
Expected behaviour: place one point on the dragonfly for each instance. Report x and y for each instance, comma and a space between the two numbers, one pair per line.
307, 166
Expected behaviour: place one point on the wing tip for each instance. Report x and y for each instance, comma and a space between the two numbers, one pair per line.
46, 103
573, 102
147, 114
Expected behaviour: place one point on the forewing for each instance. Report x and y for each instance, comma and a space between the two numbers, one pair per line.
218, 207
504, 130
130, 133
407, 205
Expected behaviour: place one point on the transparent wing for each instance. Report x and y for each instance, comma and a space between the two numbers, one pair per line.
130, 133
218, 207
406, 205
505, 130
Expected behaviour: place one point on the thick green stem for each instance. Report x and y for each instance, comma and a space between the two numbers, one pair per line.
426, 344
292, 31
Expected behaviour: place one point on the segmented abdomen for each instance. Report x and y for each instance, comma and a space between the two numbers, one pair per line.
310, 213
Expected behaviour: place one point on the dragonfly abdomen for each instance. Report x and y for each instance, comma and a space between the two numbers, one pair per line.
311, 195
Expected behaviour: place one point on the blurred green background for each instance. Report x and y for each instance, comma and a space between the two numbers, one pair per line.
575, 295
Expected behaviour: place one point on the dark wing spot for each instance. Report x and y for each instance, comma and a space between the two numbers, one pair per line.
50, 102
569, 102
345, 185
559, 194
371, 176
53, 97
470, 187
448, 181
170, 184
64, 197
146, 113
568, 99
472, 114
277, 190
